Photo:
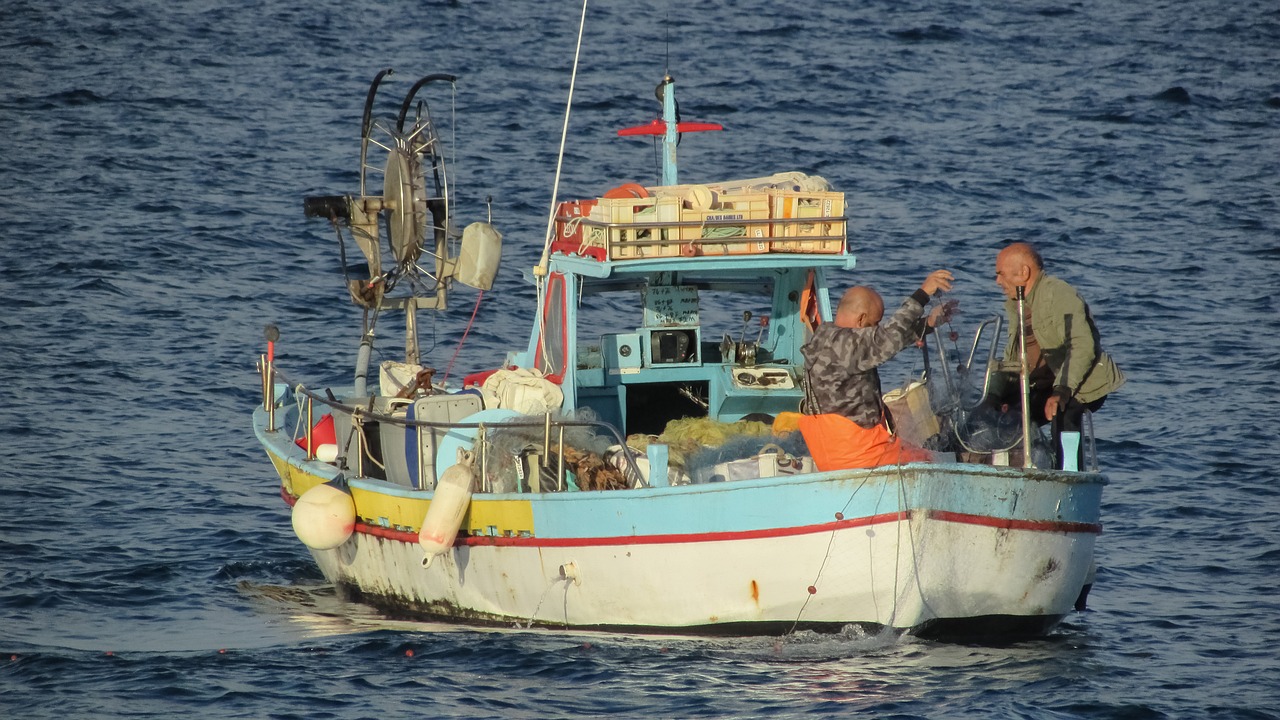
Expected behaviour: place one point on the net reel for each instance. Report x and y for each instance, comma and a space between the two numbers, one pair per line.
968, 397
413, 207
420, 256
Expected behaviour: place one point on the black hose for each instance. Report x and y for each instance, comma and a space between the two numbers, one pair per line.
408, 99
367, 120
368, 102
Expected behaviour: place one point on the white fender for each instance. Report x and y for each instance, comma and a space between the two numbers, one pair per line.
448, 506
327, 453
324, 517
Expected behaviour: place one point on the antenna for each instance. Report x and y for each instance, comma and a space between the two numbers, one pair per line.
669, 127
666, 70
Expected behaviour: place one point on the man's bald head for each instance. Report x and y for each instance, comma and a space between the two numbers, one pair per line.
1018, 264
1023, 253
860, 307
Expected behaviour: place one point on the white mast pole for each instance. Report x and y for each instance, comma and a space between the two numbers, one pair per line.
540, 270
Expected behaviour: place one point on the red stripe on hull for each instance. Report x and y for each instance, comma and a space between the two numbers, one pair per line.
684, 538
1011, 524
940, 515
388, 533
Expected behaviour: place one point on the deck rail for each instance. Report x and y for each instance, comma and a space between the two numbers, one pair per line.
273, 379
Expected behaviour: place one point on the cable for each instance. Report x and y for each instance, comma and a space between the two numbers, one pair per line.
823, 566
456, 350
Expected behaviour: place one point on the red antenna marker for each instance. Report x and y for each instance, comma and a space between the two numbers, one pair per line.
669, 129
659, 127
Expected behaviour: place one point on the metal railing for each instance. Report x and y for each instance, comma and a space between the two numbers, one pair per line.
960, 410
569, 220
362, 414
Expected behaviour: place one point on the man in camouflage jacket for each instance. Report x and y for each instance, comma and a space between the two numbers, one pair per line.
842, 357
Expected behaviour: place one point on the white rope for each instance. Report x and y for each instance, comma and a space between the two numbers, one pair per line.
541, 268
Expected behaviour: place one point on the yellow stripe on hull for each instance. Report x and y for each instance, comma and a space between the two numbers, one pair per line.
294, 479
385, 510
485, 517
500, 517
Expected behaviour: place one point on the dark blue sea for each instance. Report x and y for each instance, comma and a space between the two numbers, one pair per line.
155, 156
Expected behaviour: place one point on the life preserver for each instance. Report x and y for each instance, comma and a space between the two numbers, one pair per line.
627, 190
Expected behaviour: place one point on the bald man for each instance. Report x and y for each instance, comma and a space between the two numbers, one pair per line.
1069, 371
842, 357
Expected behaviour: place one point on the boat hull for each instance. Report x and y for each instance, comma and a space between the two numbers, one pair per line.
932, 549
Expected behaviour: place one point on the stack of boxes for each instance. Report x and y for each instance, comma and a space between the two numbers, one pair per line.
647, 226
693, 220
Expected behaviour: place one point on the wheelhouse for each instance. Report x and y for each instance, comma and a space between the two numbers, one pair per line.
714, 337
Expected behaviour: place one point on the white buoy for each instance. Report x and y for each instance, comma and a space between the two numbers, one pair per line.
324, 517
328, 452
448, 506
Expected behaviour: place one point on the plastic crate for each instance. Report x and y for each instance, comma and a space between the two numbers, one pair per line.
572, 236
811, 222
641, 227
736, 225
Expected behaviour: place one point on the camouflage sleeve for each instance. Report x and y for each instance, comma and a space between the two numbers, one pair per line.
904, 328
868, 348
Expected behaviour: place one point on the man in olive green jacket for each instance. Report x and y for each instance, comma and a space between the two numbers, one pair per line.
1069, 372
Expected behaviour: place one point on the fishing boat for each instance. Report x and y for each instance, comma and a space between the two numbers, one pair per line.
627, 469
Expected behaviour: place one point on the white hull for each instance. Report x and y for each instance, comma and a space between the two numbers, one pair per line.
899, 574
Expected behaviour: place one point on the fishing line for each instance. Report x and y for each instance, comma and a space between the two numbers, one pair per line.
915, 557
871, 560
897, 557
823, 565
